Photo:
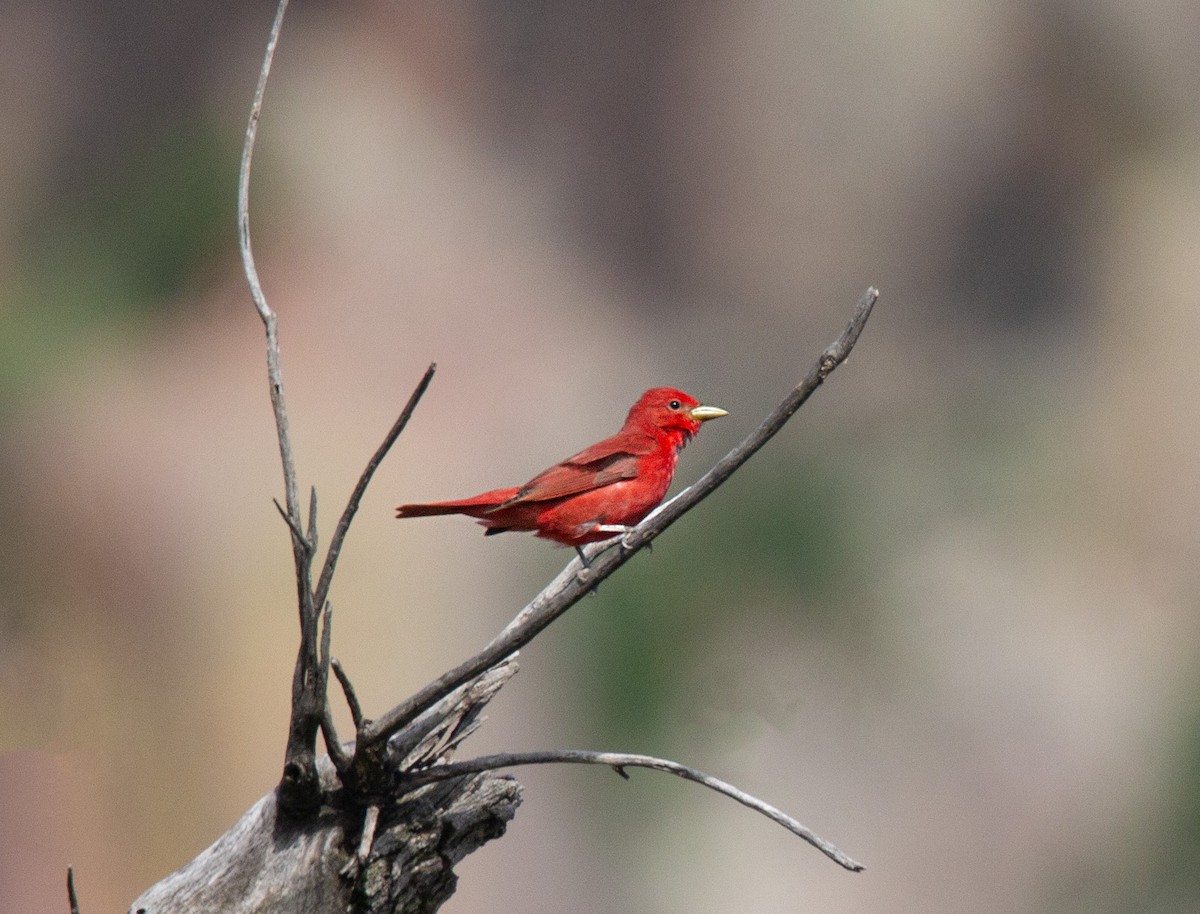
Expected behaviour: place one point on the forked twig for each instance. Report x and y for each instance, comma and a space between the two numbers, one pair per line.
300, 784
310, 711
619, 761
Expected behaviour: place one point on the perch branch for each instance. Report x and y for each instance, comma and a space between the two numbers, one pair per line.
574, 582
619, 761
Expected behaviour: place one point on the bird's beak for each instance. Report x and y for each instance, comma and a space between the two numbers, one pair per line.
704, 413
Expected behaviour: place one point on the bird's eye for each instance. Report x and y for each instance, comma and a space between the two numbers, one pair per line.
674, 404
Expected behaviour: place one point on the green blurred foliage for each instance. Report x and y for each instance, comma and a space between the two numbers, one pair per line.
779, 539
98, 265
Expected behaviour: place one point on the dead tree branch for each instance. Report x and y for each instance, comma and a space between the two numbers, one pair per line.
619, 761
300, 790
272, 862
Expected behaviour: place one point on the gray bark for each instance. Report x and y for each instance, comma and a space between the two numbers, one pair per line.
274, 863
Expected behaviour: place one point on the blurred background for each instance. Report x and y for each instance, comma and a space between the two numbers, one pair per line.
948, 618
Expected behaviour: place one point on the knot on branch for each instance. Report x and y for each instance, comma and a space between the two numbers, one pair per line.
300, 791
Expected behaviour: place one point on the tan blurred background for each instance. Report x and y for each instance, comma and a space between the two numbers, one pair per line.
948, 618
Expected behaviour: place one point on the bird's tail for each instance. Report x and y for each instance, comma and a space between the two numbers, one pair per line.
475, 506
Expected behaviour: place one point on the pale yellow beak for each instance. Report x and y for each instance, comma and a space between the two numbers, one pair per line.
704, 413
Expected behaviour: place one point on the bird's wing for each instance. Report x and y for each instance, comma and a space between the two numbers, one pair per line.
600, 465
625, 443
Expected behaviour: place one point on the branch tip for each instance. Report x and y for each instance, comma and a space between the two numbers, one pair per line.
72, 898
618, 762
356, 714
311, 539
342, 762
343, 526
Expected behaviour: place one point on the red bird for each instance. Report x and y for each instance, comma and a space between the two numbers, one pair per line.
603, 490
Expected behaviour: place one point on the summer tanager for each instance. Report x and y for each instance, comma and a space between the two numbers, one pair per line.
603, 490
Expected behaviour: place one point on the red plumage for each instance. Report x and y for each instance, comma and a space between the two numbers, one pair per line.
603, 489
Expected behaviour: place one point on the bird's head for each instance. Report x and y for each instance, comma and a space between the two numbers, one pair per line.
671, 410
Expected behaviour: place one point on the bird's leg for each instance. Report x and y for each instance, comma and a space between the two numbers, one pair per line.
583, 559
611, 528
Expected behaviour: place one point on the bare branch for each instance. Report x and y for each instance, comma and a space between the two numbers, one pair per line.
297, 533
343, 526
260, 301
356, 713
341, 761
322, 684
619, 761
833, 356
311, 538
574, 582
299, 787
427, 740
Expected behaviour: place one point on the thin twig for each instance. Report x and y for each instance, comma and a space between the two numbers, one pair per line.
291, 522
341, 761
300, 784
424, 742
324, 657
619, 761
270, 324
356, 713
343, 526
311, 538
265, 311
72, 898
574, 582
